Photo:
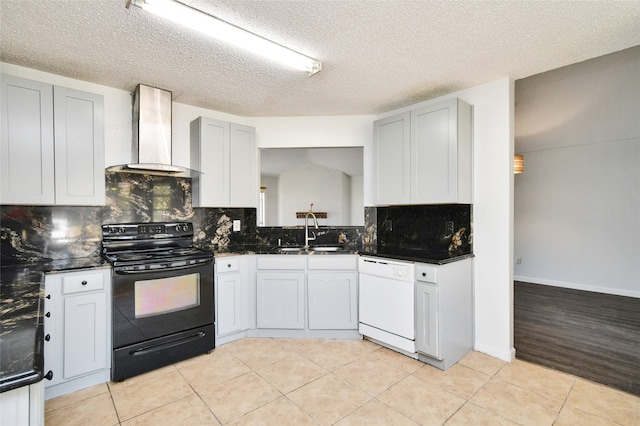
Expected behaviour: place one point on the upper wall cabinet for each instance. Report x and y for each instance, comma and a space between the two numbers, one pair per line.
392, 160
227, 156
424, 156
52, 144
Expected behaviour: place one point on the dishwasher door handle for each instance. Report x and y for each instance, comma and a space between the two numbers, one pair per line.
380, 262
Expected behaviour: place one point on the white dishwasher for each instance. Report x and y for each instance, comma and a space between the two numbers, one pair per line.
387, 303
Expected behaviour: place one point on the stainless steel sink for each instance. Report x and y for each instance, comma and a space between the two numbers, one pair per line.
325, 248
289, 249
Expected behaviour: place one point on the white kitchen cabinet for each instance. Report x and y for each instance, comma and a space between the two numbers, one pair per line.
280, 292
280, 300
444, 312
52, 144
79, 147
23, 406
231, 297
332, 292
427, 336
77, 325
391, 156
424, 156
227, 156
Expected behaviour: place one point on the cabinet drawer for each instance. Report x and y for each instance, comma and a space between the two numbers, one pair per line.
333, 262
82, 282
227, 265
427, 273
282, 262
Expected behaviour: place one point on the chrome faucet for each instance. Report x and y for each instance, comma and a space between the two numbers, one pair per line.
307, 238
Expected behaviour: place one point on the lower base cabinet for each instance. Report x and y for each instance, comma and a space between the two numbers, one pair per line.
444, 312
280, 300
307, 296
77, 330
230, 296
23, 406
428, 337
333, 301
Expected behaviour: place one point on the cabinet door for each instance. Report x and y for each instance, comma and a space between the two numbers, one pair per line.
280, 300
433, 156
427, 338
391, 160
27, 163
210, 155
79, 147
333, 301
14, 406
441, 153
229, 303
85, 334
243, 167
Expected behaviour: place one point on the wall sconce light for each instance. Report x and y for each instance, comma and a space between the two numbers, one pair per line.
518, 164
210, 25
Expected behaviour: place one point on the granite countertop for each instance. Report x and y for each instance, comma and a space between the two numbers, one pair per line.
268, 249
21, 317
434, 257
418, 255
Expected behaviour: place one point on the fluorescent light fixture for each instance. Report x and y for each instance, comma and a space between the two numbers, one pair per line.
210, 25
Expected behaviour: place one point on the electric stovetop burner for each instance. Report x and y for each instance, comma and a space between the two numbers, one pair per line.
149, 242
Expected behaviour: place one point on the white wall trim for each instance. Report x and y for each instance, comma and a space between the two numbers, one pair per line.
578, 286
508, 355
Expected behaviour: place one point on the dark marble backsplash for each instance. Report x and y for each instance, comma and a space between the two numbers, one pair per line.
349, 237
441, 227
36, 233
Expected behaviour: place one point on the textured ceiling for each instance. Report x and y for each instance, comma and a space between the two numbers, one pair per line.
376, 55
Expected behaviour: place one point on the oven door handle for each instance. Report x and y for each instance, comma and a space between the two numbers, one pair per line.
167, 345
147, 271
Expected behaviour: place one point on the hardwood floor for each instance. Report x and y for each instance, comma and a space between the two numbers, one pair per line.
592, 335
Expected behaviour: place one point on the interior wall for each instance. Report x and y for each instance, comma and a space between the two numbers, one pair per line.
271, 199
309, 132
328, 190
577, 202
492, 212
323, 131
357, 199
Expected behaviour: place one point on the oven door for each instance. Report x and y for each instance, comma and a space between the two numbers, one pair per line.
154, 303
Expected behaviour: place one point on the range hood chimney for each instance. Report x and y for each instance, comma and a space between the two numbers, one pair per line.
151, 147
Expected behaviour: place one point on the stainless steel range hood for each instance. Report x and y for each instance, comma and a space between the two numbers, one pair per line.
151, 147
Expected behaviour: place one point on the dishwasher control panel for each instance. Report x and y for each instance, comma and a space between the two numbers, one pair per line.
381, 267
401, 272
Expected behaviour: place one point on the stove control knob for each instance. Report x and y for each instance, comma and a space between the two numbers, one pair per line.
185, 227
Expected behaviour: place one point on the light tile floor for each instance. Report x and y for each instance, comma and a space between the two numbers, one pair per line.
343, 382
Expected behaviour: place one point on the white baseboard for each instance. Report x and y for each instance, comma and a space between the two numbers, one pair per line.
505, 355
578, 286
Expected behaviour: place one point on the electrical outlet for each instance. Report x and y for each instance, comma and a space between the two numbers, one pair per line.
518, 260
236, 226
